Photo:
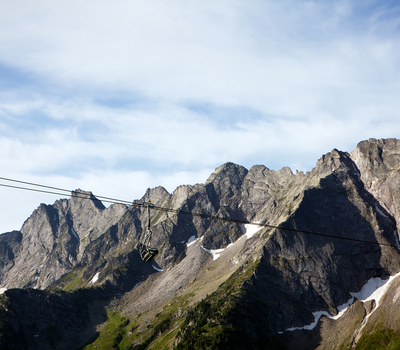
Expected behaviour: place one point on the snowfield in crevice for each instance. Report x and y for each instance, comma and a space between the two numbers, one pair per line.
157, 269
191, 240
74, 233
250, 230
95, 278
215, 252
374, 289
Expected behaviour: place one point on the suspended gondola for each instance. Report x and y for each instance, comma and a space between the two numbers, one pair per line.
146, 252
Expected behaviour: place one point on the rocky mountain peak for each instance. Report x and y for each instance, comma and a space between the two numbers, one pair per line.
225, 184
332, 161
377, 156
378, 162
79, 198
156, 195
229, 173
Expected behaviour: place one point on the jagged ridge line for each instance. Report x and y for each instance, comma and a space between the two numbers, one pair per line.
177, 211
215, 217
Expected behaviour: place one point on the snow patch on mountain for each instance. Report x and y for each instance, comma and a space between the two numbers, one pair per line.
95, 278
250, 230
214, 252
191, 240
374, 289
74, 233
380, 211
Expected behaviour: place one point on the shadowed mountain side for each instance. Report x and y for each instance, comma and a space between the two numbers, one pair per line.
36, 319
10, 245
321, 271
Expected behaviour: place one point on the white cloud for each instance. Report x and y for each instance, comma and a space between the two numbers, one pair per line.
277, 57
159, 92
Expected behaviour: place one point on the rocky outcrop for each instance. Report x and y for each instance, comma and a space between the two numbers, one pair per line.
53, 239
378, 162
10, 245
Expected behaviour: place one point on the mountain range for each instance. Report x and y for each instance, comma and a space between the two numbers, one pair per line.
251, 259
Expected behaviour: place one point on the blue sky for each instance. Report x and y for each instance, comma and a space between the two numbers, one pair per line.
118, 96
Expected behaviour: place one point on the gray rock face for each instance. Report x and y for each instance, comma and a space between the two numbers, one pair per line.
52, 241
378, 162
10, 245
346, 213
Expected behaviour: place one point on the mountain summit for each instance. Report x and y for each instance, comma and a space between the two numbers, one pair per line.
318, 272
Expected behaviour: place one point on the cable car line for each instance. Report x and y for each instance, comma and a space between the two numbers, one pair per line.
71, 193
215, 217
58, 189
149, 205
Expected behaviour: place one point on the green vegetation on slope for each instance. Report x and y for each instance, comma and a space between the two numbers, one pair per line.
381, 339
112, 333
71, 281
209, 325
122, 334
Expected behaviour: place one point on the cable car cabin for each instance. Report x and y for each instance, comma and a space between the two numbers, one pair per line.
148, 254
